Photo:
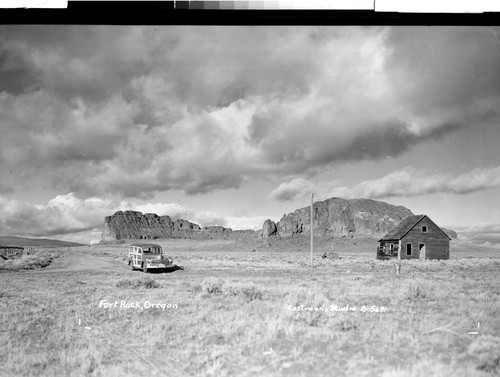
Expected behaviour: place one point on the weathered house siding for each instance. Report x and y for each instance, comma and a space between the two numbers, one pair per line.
437, 244
7, 252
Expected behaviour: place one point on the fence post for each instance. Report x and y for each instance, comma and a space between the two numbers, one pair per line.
398, 264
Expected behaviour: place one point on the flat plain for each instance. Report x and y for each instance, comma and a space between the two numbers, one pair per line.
252, 309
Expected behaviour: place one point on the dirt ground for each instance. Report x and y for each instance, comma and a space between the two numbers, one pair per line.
232, 313
73, 260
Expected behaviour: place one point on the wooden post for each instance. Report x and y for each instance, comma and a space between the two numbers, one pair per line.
312, 229
398, 264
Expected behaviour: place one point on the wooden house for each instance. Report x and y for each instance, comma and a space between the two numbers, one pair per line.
8, 252
415, 237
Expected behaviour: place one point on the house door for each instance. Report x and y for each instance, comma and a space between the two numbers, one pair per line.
421, 249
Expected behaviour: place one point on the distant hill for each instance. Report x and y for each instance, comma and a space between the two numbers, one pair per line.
337, 216
21, 241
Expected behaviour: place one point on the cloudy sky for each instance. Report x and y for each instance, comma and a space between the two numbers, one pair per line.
232, 125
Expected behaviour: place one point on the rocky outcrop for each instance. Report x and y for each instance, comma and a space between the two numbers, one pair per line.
337, 216
218, 232
451, 233
135, 225
269, 229
374, 217
216, 229
244, 232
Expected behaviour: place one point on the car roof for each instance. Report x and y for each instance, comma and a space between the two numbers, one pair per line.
145, 244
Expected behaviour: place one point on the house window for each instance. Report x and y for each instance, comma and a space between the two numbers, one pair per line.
424, 229
392, 247
408, 249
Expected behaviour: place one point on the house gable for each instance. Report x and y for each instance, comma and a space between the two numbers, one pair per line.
406, 225
432, 222
428, 243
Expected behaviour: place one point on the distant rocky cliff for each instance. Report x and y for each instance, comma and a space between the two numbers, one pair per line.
337, 216
334, 216
136, 225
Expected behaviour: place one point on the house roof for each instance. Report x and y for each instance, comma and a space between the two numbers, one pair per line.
405, 226
141, 244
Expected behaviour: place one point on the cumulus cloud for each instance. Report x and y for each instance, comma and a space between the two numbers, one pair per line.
301, 189
244, 222
412, 182
61, 215
296, 188
486, 234
71, 218
490, 228
405, 182
137, 110
177, 211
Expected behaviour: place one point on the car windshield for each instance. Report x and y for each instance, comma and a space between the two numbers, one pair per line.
152, 250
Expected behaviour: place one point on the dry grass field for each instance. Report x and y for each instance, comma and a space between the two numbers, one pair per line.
253, 309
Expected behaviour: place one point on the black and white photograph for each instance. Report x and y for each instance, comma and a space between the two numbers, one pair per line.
249, 200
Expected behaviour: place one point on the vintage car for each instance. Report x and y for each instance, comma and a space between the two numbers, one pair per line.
148, 257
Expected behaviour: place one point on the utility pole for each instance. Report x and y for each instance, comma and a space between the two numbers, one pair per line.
312, 232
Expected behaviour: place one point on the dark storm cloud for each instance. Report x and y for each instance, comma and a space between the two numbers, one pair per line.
91, 62
322, 135
5, 189
135, 110
393, 141
17, 74
439, 80
444, 67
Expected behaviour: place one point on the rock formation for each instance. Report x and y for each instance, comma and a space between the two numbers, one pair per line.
218, 232
339, 216
269, 228
451, 233
334, 216
135, 225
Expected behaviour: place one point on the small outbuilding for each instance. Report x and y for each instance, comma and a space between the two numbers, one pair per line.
8, 252
415, 237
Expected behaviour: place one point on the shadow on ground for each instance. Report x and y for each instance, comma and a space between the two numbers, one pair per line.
164, 271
